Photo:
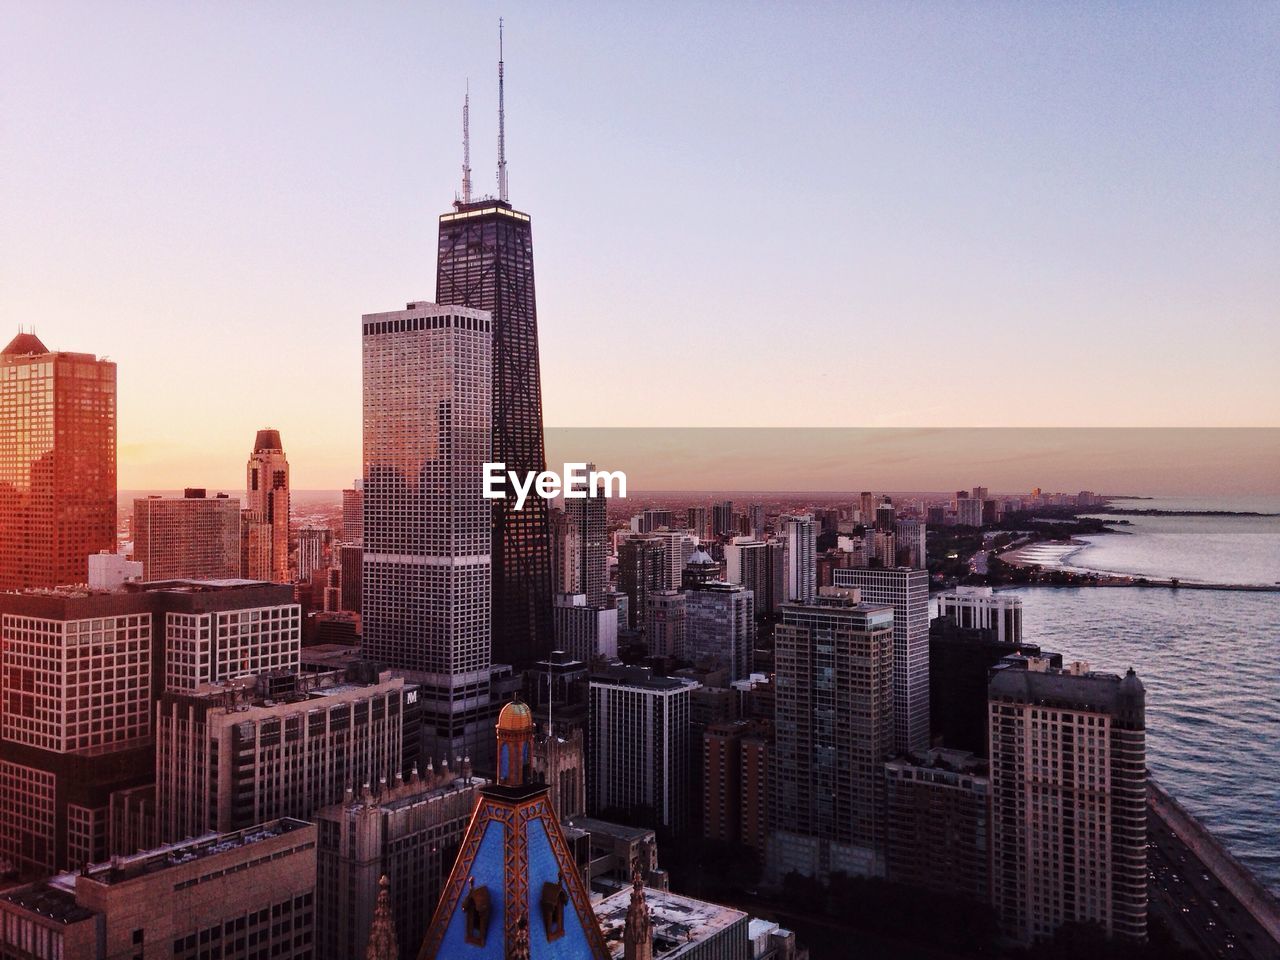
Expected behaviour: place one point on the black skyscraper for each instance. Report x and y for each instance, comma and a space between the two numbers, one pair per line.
486, 261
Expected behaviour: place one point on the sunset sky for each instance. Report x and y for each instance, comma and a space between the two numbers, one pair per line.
877, 214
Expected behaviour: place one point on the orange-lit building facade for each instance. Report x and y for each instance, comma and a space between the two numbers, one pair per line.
57, 463
266, 511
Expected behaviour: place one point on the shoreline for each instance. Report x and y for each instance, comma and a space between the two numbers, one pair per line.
1101, 578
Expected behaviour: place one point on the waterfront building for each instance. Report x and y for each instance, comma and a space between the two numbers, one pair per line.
1068, 799
965, 657
58, 469
982, 608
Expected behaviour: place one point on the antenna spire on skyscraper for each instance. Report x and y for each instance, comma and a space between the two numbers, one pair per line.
502, 125
466, 145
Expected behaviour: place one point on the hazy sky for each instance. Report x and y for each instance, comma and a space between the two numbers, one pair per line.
838, 215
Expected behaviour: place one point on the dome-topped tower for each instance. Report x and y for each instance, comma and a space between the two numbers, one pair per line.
515, 743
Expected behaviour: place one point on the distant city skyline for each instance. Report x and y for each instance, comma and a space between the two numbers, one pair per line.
1065, 215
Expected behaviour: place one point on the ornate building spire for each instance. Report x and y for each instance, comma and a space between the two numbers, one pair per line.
637, 936
382, 931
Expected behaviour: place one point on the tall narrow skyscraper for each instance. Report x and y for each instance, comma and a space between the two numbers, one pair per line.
907, 591
57, 463
266, 510
485, 261
425, 597
589, 530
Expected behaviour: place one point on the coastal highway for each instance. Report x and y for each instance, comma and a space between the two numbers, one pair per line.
1200, 912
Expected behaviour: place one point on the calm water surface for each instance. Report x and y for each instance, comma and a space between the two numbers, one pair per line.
1208, 659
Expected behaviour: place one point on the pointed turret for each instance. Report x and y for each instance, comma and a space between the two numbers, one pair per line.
382, 931
515, 891
637, 934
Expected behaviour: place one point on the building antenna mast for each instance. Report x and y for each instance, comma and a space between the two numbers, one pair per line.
502, 126
466, 145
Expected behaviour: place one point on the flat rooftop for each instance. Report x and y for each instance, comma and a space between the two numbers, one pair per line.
681, 925
606, 828
124, 869
46, 900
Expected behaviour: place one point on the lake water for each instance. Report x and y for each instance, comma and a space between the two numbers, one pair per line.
1208, 659
1216, 549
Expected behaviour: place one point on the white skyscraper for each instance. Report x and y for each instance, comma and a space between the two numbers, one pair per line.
801, 563
426, 566
907, 591
680, 546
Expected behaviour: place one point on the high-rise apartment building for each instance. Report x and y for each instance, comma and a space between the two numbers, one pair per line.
351, 563
696, 520
981, 608
680, 546
1069, 800
665, 624
867, 503
353, 513
833, 665
266, 510
722, 519
485, 261
720, 627
801, 564
907, 591
962, 659
312, 542
57, 463
409, 831
909, 542
761, 568
588, 531
642, 569
640, 745
425, 601
239, 895
735, 782
968, 512
939, 823
192, 537
282, 745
